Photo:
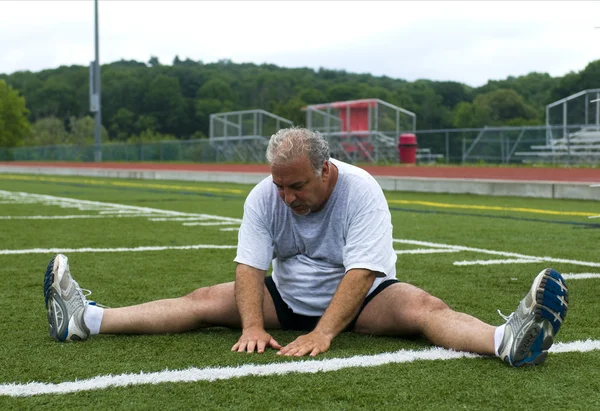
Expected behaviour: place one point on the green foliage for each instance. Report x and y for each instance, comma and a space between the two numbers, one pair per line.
178, 99
14, 126
150, 136
51, 131
47, 131
498, 107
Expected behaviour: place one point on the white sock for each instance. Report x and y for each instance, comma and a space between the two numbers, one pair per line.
498, 336
92, 317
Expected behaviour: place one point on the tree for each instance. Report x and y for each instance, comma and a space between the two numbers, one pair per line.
82, 131
56, 97
153, 62
506, 105
163, 101
51, 131
122, 124
14, 126
500, 107
47, 131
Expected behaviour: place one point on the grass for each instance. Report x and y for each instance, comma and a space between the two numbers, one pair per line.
566, 381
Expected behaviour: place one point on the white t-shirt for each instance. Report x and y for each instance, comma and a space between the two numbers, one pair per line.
311, 254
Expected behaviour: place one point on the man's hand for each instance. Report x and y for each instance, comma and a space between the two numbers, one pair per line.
255, 338
312, 343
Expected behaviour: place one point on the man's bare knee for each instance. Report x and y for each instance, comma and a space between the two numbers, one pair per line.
426, 306
200, 294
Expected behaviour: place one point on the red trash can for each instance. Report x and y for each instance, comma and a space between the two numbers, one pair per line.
407, 148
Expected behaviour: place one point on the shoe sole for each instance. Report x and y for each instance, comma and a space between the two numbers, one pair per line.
55, 306
550, 310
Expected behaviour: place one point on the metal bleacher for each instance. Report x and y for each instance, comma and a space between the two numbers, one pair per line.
570, 143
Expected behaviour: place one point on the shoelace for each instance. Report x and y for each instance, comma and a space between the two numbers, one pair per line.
506, 317
86, 293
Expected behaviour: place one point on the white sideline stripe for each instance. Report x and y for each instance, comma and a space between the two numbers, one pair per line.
22, 197
120, 212
230, 229
225, 373
491, 262
115, 250
215, 223
580, 276
502, 253
68, 217
177, 219
426, 251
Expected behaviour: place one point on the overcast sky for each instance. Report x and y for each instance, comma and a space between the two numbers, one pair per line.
470, 42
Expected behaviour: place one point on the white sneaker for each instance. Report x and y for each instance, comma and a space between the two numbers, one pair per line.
530, 330
65, 302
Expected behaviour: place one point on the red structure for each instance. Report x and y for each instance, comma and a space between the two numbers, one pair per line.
361, 130
407, 148
354, 125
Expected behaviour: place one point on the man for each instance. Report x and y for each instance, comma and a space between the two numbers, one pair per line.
325, 228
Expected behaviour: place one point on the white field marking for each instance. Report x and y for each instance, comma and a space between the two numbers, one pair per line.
594, 216
230, 229
177, 219
115, 250
492, 262
63, 202
580, 276
119, 212
212, 223
502, 253
426, 251
225, 373
67, 217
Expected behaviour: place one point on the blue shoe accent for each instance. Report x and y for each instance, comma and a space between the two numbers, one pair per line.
535, 351
48, 279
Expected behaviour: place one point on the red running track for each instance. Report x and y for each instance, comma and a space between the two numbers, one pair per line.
591, 175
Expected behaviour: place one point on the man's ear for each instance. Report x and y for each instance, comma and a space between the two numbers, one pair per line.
325, 170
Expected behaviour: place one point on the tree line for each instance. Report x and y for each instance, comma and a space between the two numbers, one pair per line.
152, 101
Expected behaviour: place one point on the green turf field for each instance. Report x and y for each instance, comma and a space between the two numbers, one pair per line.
128, 241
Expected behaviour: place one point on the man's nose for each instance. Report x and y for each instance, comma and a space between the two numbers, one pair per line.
288, 196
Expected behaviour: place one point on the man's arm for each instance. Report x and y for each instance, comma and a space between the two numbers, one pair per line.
343, 308
249, 297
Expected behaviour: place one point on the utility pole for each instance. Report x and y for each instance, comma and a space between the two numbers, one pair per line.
95, 106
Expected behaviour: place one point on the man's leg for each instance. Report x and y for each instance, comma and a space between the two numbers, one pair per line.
205, 307
402, 310
524, 339
71, 318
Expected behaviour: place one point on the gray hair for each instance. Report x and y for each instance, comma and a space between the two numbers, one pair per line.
288, 144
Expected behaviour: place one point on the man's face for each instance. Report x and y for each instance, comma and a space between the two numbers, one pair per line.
299, 187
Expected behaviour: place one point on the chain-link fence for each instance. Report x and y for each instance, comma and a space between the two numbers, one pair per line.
493, 145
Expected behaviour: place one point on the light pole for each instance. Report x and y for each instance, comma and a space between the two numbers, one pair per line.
95, 106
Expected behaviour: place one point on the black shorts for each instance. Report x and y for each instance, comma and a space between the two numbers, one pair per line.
291, 321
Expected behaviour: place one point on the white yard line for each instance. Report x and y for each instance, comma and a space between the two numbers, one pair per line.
115, 250
580, 276
70, 217
426, 251
210, 224
224, 373
177, 219
492, 262
102, 207
501, 253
